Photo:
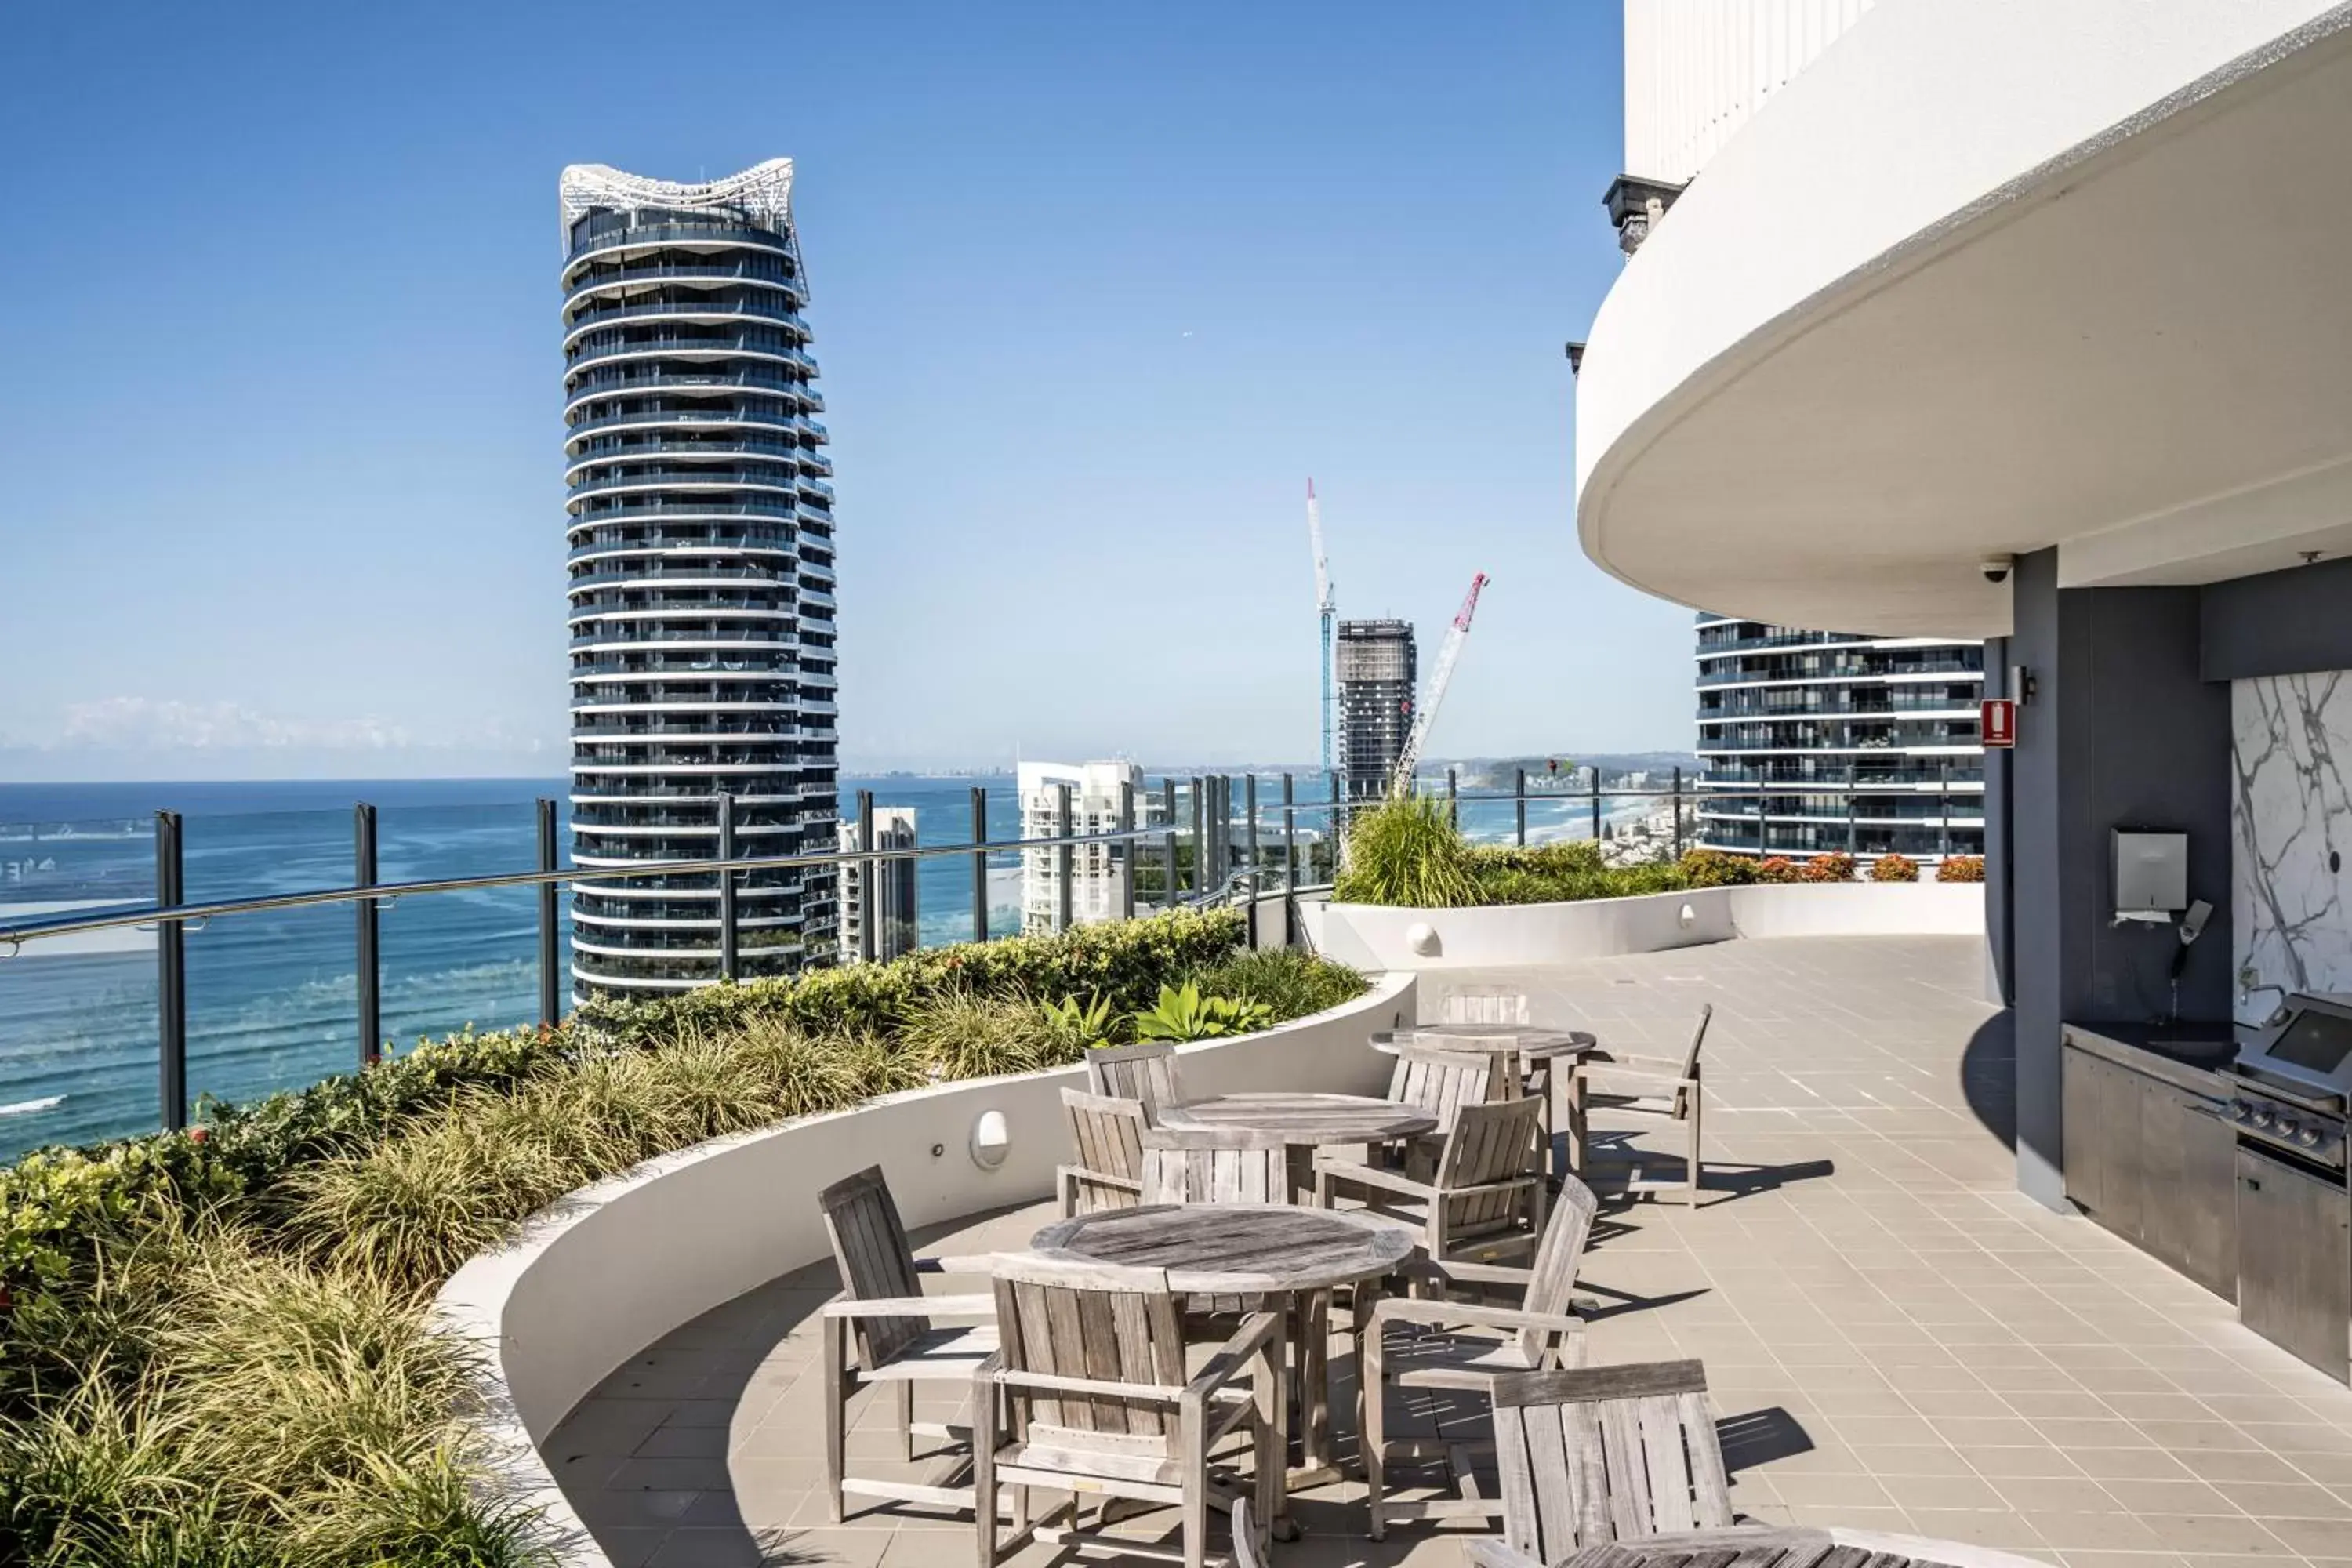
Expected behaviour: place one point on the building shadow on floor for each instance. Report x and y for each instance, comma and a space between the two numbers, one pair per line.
1989, 1076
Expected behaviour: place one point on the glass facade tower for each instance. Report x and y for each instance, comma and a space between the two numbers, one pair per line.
1888, 724
701, 563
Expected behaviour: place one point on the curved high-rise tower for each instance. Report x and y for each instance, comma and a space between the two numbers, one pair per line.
700, 536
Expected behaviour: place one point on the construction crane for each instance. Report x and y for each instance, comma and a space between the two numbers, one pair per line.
1401, 781
1326, 606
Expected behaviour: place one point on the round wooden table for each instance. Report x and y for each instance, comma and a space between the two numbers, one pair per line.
1252, 1249
1306, 1123
1522, 1041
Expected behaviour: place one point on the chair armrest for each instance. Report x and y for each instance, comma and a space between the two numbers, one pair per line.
1414, 1309
1233, 1356
981, 1264
1454, 1273
1599, 1075
912, 1306
1485, 1551
1373, 1176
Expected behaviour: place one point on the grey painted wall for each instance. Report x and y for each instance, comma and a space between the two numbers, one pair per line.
2280, 623
2122, 730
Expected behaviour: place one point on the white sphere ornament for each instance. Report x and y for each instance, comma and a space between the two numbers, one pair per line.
991, 1140
1422, 937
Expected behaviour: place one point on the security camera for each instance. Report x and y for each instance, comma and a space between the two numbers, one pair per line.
1996, 567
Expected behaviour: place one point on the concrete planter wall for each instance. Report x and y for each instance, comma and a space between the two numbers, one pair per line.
612, 1268
1372, 936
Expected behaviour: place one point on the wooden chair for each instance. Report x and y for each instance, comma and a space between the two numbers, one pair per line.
1107, 1135
1484, 1004
1145, 1071
1095, 1400
1591, 1456
1763, 1546
1501, 1005
1650, 1091
882, 1308
1439, 1082
1460, 1347
1215, 1165
1481, 1201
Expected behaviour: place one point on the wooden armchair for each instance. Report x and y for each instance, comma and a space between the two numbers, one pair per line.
1215, 1165
1090, 1395
1649, 1092
1449, 1345
1439, 1082
882, 1307
1107, 1135
1145, 1071
1481, 1200
1484, 1004
1591, 1456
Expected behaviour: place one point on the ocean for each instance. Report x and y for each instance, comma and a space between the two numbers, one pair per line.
273, 998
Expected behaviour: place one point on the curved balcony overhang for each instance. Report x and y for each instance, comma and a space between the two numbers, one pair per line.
623, 312
713, 769
655, 513
745, 889
684, 611
1985, 280
714, 275
787, 456
693, 674
693, 240
686, 419
690, 481
782, 544
592, 388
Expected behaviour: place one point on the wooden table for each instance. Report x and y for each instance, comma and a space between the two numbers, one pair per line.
1251, 1250
1306, 1123
1774, 1547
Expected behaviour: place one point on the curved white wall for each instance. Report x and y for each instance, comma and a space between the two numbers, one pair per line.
1924, 131
612, 1268
1372, 936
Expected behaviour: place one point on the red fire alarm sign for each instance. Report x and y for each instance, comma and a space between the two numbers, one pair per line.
1997, 721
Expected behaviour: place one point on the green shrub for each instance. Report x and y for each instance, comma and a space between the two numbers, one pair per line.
1961, 868
1838, 868
962, 1034
1182, 1012
1894, 868
1079, 1026
1716, 869
215, 1348
1288, 982
1776, 869
1407, 853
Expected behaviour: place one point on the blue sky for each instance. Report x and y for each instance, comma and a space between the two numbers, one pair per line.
1096, 289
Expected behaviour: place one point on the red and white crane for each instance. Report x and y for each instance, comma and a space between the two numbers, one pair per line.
1401, 781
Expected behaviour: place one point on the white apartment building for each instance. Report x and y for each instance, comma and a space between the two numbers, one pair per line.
893, 903
1098, 872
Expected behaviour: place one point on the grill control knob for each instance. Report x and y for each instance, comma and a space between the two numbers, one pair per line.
2309, 1137
2263, 1118
2241, 1110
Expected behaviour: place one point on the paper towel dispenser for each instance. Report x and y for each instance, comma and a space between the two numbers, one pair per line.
2151, 874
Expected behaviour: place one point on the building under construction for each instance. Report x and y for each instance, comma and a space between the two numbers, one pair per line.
1378, 673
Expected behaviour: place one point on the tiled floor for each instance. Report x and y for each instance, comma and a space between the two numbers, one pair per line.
1894, 1338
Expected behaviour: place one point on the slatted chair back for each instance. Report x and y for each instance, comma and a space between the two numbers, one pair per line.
1101, 1325
1551, 1279
1107, 1137
1698, 1038
1493, 1142
1441, 1082
1145, 1071
1484, 1004
1595, 1455
1215, 1165
870, 1248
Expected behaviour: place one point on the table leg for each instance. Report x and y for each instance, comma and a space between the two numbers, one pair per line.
1316, 1467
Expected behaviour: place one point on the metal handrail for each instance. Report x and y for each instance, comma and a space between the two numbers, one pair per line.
155, 914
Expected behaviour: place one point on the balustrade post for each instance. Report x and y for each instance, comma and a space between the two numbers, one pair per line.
1679, 813
869, 885
730, 957
1249, 830
365, 912
1126, 850
1289, 835
1519, 806
1944, 802
1201, 883
550, 998
979, 863
1454, 797
1596, 802
170, 976
1168, 821
1063, 857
